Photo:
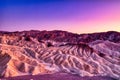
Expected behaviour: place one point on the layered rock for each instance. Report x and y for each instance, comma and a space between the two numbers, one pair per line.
31, 53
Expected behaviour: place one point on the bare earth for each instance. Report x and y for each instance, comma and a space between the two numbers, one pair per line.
58, 76
29, 54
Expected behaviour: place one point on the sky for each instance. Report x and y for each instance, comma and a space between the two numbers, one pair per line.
77, 16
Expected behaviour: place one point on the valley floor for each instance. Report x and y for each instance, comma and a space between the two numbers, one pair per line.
57, 76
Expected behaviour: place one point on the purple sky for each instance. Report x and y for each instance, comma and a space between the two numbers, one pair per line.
81, 16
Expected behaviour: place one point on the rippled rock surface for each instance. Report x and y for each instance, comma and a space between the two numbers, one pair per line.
50, 52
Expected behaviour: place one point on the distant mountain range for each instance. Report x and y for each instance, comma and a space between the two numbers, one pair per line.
49, 52
64, 36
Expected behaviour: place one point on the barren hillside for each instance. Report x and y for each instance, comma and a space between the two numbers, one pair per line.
50, 52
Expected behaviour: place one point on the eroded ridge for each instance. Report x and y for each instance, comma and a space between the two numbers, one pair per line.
77, 59
41, 52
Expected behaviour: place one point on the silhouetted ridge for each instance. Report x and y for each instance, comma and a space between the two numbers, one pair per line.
63, 36
110, 36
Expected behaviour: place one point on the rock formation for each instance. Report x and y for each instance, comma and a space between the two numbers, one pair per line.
48, 52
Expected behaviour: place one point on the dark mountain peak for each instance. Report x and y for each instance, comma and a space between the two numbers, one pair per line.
113, 32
